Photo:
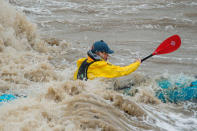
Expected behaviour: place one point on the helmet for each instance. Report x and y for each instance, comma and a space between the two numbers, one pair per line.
101, 46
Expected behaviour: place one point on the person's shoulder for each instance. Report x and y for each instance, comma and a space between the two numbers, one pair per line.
101, 63
79, 61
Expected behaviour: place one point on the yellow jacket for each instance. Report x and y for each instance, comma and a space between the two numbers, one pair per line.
105, 69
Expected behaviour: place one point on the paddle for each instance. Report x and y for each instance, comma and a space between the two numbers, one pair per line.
167, 46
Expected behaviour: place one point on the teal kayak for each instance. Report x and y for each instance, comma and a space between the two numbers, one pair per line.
176, 92
7, 97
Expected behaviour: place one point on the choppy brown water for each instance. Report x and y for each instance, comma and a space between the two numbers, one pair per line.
41, 40
130, 27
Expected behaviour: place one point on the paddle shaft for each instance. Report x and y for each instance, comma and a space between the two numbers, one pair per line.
146, 57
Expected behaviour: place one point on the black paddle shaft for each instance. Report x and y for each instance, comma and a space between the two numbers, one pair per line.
146, 57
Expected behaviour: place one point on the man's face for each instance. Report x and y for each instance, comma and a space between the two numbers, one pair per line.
103, 55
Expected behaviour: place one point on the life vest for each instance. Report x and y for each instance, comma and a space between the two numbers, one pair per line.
82, 72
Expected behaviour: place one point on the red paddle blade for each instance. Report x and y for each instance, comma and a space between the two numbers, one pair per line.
169, 45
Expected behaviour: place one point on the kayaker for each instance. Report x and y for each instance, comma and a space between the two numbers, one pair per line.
96, 65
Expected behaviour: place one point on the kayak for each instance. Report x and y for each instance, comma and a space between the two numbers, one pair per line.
176, 92
7, 97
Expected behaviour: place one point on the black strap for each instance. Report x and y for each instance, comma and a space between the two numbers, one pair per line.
82, 72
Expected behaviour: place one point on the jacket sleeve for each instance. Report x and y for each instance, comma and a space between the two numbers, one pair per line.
104, 69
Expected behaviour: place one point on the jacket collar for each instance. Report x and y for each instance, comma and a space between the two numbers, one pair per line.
93, 56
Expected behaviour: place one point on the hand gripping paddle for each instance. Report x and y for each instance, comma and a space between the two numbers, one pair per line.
167, 46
